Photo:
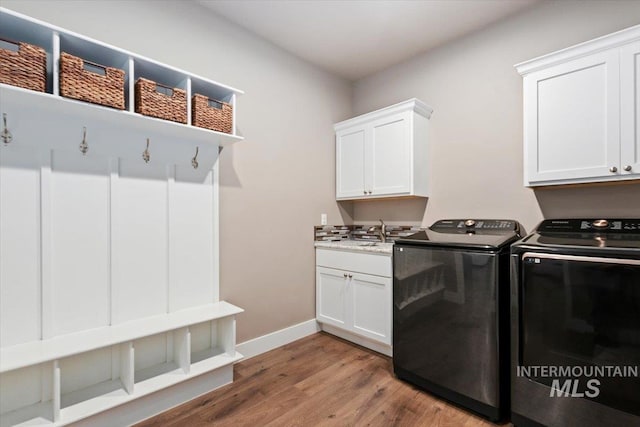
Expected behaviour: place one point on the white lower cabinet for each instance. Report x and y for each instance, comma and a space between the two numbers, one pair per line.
351, 302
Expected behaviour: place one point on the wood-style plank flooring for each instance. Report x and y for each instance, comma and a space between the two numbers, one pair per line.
316, 381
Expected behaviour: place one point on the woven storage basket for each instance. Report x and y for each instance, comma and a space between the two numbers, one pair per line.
26, 66
211, 114
87, 81
156, 100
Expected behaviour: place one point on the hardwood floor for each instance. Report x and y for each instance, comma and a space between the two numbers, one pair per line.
316, 381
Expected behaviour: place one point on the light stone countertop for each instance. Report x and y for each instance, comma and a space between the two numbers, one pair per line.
357, 245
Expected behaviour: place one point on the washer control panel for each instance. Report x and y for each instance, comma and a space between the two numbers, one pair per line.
475, 224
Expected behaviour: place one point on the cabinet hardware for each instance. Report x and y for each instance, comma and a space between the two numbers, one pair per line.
6, 135
364, 192
194, 161
350, 276
146, 156
628, 168
613, 169
345, 275
84, 147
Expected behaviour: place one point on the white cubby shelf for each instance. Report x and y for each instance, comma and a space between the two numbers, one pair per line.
27, 111
202, 339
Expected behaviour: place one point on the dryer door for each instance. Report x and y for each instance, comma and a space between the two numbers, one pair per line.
580, 321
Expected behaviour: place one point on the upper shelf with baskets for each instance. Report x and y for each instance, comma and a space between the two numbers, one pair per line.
77, 69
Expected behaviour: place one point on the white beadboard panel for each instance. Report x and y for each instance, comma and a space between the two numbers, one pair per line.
80, 228
20, 319
139, 236
191, 239
85, 370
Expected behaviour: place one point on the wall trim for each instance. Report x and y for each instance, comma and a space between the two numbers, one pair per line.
276, 339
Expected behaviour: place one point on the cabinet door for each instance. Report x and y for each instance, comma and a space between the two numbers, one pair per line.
388, 156
630, 109
572, 120
371, 306
331, 296
350, 146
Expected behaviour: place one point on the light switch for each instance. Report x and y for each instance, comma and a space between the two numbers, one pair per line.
323, 219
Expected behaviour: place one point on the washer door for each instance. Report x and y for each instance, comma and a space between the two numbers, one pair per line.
581, 316
445, 321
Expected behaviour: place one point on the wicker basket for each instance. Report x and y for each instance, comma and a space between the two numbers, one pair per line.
23, 65
163, 102
211, 114
91, 82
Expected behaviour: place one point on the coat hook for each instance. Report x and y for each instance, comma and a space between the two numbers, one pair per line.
194, 161
5, 135
146, 156
84, 147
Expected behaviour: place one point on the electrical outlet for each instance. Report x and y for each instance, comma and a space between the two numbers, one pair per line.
323, 219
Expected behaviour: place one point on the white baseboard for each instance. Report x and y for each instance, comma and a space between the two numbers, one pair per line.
277, 339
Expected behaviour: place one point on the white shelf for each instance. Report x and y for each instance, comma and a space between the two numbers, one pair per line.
108, 390
40, 414
51, 117
169, 368
33, 353
30, 113
155, 383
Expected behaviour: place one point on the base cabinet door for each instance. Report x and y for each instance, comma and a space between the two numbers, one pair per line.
371, 306
331, 296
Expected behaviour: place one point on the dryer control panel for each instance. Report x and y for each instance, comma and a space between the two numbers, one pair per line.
601, 225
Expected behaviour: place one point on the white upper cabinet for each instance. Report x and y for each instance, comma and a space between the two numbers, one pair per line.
384, 153
580, 112
630, 109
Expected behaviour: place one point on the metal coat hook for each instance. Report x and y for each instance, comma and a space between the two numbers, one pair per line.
194, 161
5, 135
84, 147
146, 156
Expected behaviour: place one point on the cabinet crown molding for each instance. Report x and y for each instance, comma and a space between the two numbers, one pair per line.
408, 105
609, 41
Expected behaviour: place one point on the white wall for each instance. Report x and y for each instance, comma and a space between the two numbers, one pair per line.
273, 185
477, 121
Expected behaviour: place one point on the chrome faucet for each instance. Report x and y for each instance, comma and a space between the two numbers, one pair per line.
383, 231
382, 234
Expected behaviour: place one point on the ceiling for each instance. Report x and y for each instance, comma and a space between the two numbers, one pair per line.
355, 38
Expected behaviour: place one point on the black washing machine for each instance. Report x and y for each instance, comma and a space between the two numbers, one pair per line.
576, 324
451, 312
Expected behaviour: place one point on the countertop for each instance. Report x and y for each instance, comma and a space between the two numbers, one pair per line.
357, 245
